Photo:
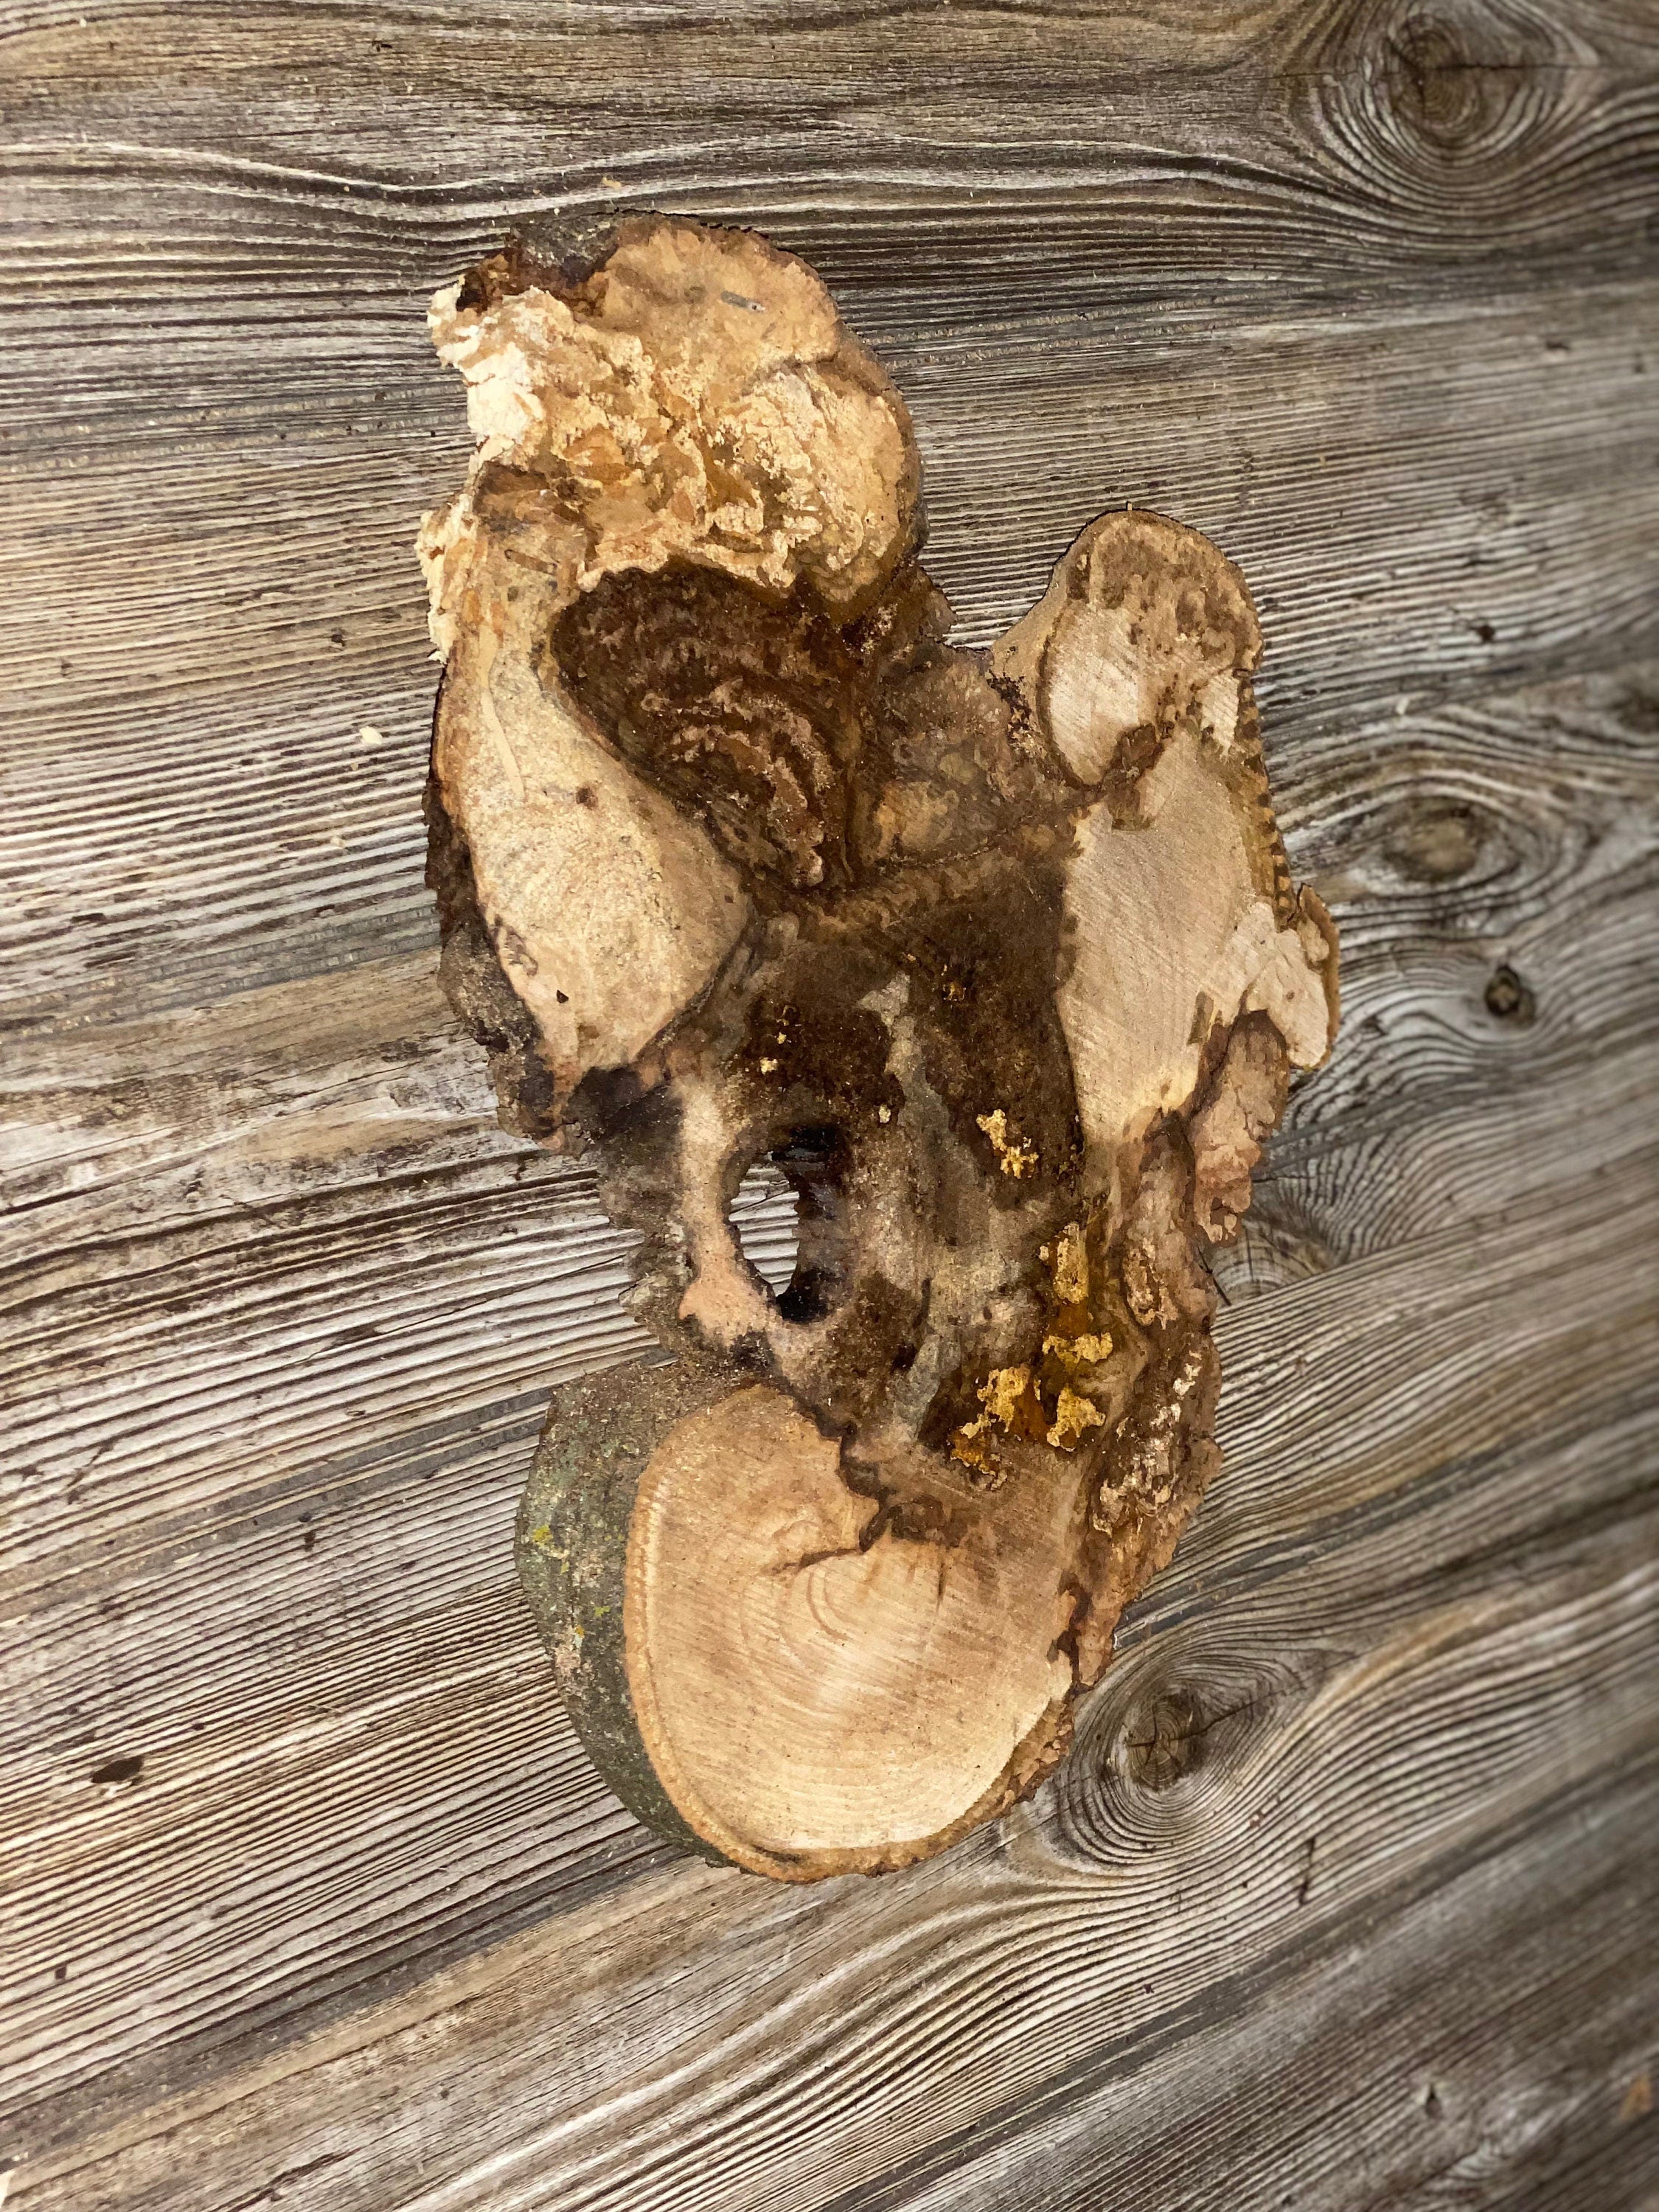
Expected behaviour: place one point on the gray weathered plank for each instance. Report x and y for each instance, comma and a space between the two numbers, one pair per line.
1526, 2083
1403, 1651
929, 135
196, 812
1368, 292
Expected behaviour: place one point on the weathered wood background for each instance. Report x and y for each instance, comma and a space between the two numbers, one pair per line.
1350, 1894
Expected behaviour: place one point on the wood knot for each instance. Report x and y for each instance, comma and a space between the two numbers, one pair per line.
1457, 97
1507, 999
1447, 94
1163, 1741
1158, 1756
1434, 843
1638, 711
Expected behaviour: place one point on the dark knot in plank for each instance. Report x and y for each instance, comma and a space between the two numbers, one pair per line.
1458, 112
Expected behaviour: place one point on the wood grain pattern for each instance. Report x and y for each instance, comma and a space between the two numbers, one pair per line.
1366, 292
1487, 2100
1464, 1657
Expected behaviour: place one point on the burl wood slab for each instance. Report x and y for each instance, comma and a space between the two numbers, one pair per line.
994, 953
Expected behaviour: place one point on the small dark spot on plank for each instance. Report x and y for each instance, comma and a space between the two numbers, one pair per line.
60, 1973
1507, 999
308, 1541
1485, 632
127, 1768
1306, 1883
336, 637
1432, 2102
277, 2187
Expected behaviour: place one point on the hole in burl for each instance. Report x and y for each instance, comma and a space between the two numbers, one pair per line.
765, 1218
785, 1218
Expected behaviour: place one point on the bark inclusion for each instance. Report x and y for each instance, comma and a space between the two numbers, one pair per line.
995, 955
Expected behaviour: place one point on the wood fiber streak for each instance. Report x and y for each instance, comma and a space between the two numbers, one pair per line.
1344, 1894
202, 816
1427, 1460
1489, 2105
1434, 1715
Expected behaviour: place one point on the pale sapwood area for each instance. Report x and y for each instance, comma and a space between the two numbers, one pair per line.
996, 955
309, 1894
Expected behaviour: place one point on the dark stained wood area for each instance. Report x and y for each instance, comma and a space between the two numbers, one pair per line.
1347, 1896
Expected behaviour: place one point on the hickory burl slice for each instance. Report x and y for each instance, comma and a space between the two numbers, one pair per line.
995, 957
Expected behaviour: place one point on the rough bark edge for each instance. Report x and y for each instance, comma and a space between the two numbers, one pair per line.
571, 1547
